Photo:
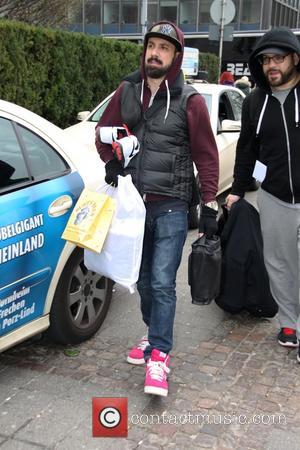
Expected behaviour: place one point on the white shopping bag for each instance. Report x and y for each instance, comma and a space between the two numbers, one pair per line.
120, 257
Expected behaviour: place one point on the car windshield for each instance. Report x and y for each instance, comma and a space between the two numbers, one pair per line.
97, 114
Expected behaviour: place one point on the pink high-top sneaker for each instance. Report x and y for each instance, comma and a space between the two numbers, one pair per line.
156, 373
136, 354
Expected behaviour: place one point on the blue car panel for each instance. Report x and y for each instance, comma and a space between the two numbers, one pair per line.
30, 246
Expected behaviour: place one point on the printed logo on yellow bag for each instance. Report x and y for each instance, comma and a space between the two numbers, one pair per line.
90, 220
83, 212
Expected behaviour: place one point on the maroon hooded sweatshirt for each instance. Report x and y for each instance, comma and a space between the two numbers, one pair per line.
204, 150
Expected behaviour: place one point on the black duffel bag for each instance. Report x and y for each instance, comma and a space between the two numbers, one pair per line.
204, 269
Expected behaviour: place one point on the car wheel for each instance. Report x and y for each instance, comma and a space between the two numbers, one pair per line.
194, 217
80, 303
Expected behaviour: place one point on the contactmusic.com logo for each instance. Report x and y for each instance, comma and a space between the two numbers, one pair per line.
110, 417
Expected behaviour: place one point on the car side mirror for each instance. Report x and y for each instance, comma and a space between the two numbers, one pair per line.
230, 126
82, 115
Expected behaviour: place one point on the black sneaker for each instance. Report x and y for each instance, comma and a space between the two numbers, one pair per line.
287, 337
298, 355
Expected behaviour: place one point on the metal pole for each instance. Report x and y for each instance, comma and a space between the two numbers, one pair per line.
83, 16
144, 17
223, 6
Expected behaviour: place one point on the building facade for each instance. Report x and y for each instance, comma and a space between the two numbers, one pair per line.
129, 19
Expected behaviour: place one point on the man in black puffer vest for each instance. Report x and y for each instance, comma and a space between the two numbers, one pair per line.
171, 123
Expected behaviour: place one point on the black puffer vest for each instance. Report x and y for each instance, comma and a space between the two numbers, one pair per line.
163, 165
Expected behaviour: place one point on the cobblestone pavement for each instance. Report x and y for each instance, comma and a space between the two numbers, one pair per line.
231, 385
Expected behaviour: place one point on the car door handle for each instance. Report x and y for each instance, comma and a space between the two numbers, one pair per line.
60, 206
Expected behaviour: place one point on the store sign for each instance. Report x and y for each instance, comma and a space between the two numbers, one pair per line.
190, 62
237, 69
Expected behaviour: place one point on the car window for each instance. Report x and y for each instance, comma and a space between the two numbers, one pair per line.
43, 160
236, 100
97, 114
13, 168
225, 109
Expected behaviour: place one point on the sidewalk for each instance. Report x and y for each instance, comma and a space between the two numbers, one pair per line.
231, 385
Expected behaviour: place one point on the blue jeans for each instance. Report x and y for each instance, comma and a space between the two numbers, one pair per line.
165, 234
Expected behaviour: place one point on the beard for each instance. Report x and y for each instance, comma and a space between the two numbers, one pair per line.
284, 77
156, 72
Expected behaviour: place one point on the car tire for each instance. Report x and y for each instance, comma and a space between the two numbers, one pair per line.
80, 303
194, 217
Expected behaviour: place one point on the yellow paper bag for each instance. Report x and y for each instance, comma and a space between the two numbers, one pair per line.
90, 220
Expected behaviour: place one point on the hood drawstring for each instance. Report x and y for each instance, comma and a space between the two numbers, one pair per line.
168, 100
168, 97
296, 108
142, 91
261, 115
265, 105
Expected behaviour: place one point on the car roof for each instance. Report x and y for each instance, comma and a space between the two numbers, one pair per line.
202, 88
28, 116
210, 88
48, 129
87, 162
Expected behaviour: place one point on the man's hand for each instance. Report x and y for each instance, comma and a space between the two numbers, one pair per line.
113, 168
208, 221
231, 199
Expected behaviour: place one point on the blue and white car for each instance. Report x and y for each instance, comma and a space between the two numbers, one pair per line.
44, 284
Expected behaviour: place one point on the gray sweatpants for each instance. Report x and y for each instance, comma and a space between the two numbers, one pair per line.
280, 225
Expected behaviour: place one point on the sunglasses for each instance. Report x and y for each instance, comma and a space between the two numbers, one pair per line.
277, 59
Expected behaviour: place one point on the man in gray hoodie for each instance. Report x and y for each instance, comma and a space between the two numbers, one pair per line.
269, 141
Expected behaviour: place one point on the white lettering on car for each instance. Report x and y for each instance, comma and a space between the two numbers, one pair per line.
25, 312
20, 227
21, 248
